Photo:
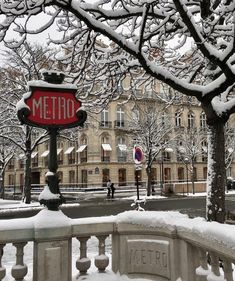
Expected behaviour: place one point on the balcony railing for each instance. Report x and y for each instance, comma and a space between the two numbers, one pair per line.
105, 124
119, 124
153, 245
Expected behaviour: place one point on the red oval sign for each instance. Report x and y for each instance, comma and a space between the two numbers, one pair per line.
51, 107
47, 108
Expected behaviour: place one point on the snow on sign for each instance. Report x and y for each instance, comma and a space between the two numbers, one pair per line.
138, 154
49, 105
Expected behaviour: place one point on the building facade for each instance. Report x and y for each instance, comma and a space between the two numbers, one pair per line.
105, 150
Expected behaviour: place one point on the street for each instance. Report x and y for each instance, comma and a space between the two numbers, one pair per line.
191, 206
95, 207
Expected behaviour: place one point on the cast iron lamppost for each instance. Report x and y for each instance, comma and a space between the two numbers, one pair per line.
53, 106
2, 191
186, 160
138, 156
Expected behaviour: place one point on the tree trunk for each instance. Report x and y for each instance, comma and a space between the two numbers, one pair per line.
149, 187
2, 187
216, 172
193, 177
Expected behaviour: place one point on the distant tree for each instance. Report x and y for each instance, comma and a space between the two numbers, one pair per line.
7, 152
21, 65
229, 146
151, 130
189, 146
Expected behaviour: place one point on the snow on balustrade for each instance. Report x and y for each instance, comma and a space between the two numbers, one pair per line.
147, 245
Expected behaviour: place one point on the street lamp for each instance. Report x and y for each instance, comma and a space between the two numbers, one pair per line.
51, 105
2, 193
186, 161
161, 171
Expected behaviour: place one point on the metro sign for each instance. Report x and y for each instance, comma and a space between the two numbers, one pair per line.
50, 105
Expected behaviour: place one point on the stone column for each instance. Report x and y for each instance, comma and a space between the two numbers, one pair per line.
52, 247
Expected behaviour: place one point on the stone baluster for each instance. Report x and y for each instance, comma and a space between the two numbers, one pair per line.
202, 271
228, 270
214, 264
19, 270
83, 263
2, 268
101, 261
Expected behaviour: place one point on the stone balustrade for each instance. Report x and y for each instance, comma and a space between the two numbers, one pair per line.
153, 245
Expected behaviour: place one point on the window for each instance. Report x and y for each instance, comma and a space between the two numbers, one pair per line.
34, 157
105, 149
105, 176
83, 149
84, 178
60, 176
163, 119
71, 176
11, 179
70, 152
122, 177
21, 163
204, 173
203, 120
204, 151
181, 174
135, 114
60, 156
121, 149
178, 119
120, 117
167, 174
11, 164
190, 120
105, 119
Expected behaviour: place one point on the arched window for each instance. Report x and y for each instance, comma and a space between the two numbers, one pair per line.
135, 114
120, 117
191, 120
178, 119
204, 151
203, 120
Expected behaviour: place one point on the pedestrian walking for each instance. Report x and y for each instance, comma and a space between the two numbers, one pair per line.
108, 188
112, 190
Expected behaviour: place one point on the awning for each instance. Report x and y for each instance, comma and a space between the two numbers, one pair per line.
69, 150
181, 149
34, 154
81, 148
106, 147
45, 153
122, 147
169, 149
59, 150
22, 156
204, 149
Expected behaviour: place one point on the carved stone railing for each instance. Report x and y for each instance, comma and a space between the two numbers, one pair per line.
153, 245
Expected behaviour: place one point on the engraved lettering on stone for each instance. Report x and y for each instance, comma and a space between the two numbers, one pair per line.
148, 256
